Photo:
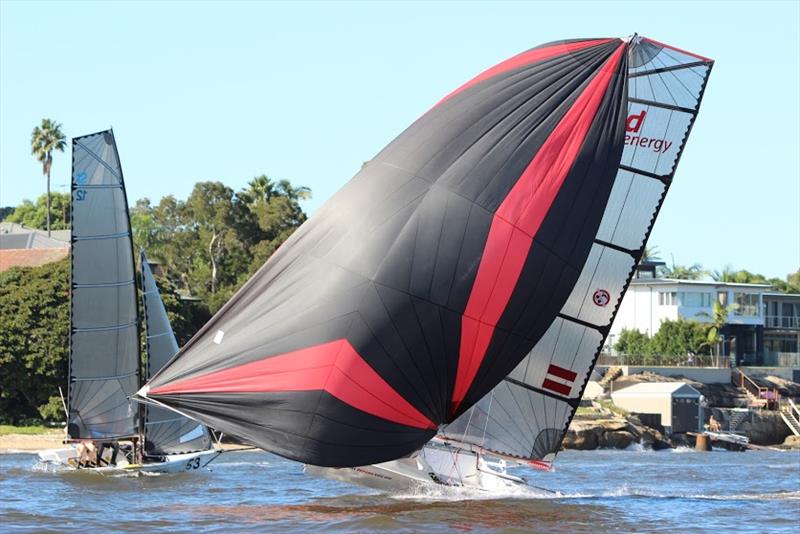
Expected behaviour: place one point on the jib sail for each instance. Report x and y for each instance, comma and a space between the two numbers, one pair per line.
526, 415
104, 343
165, 432
429, 277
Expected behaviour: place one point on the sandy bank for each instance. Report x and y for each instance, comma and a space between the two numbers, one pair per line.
32, 443
11, 443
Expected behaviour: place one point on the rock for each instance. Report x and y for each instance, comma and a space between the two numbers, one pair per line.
791, 442
620, 439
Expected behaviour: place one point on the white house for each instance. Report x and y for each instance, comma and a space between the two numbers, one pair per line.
762, 328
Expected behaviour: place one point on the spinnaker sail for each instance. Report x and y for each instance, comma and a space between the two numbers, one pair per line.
527, 414
433, 273
165, 432
104, 342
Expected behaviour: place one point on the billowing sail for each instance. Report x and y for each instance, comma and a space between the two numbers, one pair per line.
104, 340
526, 415
165, 432
429, 277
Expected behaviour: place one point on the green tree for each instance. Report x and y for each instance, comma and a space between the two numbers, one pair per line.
44, 140
34, 341
716, 321
632, 342
36, 215
682, 272
675, 340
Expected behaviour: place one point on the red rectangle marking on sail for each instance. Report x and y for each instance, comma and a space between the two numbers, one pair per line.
560, 372
558, 387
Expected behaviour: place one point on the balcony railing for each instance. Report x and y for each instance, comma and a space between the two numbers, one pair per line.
780, 321
661, 360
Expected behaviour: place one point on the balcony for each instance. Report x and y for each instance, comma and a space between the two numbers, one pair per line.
783, 322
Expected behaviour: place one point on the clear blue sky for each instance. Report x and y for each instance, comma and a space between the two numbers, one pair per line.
308, 91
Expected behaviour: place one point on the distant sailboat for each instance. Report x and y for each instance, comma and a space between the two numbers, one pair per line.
104, 425
461, 285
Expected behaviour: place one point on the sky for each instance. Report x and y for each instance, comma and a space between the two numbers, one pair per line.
309, 91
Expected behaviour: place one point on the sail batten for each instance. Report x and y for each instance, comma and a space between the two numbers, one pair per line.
464, 280
104, 342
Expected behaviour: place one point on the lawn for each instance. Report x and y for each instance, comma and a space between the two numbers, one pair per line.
35, 429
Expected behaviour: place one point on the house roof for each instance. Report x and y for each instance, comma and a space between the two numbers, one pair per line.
30, 257
658, 389
16, 236
710, 283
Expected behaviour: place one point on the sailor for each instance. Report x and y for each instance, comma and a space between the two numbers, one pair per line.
713, 424
87, 454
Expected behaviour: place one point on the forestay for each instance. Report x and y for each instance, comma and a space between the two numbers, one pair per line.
104, 344
526, 415
165, 432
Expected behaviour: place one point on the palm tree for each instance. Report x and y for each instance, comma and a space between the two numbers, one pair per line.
260, 188
718, 318
286, 189
651, 254
727, 274
44, 140
683, 272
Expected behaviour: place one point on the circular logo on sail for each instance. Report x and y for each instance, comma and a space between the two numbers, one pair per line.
601, 297
81, 177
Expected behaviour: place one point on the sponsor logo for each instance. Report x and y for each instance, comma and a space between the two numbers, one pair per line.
632, 138
81, 177
601, 298
559, 380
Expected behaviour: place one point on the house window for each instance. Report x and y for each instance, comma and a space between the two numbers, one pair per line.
695, 300
722, 298
667, 298
746, 304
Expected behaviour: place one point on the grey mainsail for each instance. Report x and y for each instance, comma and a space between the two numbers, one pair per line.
165, 432
104, 335
525, 416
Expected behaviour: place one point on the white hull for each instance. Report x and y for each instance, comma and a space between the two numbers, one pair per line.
64, 459
435, 466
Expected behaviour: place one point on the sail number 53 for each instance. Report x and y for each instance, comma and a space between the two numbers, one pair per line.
194, 463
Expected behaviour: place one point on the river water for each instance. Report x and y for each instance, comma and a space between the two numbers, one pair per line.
601, 491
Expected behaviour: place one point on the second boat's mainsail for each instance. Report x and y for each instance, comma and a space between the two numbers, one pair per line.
527, 414
490, 228
104, 337
165, 432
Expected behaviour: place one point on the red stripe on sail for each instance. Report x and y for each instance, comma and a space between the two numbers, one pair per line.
560, 372
334, 367
515, 223
526, 58
558, 387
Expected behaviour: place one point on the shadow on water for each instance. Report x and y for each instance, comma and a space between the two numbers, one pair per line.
379, 512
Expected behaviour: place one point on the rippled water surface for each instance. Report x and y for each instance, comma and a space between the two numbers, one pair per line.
601, 491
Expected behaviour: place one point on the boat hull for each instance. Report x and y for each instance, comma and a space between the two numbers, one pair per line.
65, 459
434, 466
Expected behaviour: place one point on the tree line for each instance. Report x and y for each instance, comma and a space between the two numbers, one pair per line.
207, 246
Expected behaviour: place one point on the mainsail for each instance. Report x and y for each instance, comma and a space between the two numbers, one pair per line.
527, 414
165, 432
432, 274
104, 342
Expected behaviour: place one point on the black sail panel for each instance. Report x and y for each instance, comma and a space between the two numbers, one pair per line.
104, 342
525, 416
405, 299
165, 432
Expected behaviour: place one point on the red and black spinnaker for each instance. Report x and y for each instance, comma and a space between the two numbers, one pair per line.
509, 215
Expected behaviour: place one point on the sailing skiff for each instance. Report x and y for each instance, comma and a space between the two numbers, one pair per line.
461, 286
106, 431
